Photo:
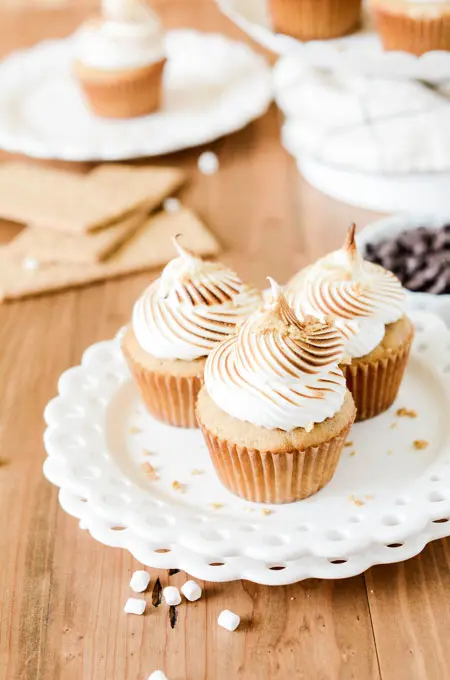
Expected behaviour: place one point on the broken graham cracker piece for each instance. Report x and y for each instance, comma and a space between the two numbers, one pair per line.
149, 248
51, 246
76, 203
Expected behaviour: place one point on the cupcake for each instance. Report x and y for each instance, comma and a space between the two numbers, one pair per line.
367, 304
315, 19
120, 60
415, 26
275, 410
176, 323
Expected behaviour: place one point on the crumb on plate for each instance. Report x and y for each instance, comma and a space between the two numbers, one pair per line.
135, 430
149, 471
267, 511
420, 444
178, 486
406, 413
195, 472
357, 501
216, 506
348, 444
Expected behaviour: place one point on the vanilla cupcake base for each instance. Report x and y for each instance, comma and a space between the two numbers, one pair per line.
413, 27
273, 466
126, 93
168, 387
374, 380
315, 19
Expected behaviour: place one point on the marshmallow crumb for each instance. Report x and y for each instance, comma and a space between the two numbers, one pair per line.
135, 606
178, 486
191, 591
139, 581
149, 471
172, 595
228, 620
30, 263
406, 413
172, 205
208, 163
157, 675
420, 444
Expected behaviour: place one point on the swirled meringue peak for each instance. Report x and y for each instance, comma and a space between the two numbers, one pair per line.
192, 307
360, 296
279, 371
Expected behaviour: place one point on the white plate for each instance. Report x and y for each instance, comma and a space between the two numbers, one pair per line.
212, 86
383, 505
361, 51
392, 226
385, 193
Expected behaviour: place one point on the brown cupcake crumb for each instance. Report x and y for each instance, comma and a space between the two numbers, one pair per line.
420, 444
178, 486
348, 444
149, 471
406, 413
352, 453
358, 502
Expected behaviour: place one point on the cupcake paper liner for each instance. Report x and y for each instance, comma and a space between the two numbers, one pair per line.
374, 385
266, 477
170, 399
413, 34
133, 93
315, 19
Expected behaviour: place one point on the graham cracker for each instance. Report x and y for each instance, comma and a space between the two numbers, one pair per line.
150, 247
76, 203
49, 245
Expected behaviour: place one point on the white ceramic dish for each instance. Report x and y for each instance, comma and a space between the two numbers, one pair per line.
98, 436
362, 51
385, 193
389, 228
212, 86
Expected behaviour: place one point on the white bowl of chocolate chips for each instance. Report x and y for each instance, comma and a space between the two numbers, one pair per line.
417, 249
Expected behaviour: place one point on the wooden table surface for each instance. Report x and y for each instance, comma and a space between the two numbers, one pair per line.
62, 593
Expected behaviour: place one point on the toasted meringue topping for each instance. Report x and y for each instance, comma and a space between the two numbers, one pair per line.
279, 372
193, 306
349, 289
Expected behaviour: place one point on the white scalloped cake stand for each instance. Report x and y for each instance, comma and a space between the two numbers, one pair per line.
386, 501
361, 51
212, 86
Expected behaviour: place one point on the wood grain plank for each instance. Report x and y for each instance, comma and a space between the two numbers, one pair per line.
411, 617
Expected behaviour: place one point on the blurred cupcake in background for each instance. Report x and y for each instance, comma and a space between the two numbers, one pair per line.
177, 321
415, 26
120, 60
367, 303
315, 19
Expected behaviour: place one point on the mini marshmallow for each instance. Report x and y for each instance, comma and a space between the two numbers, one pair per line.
139, 581
134, 606
172, 205
191, 591
172, 595
208, 163
157, 675
30, 263
228, 620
